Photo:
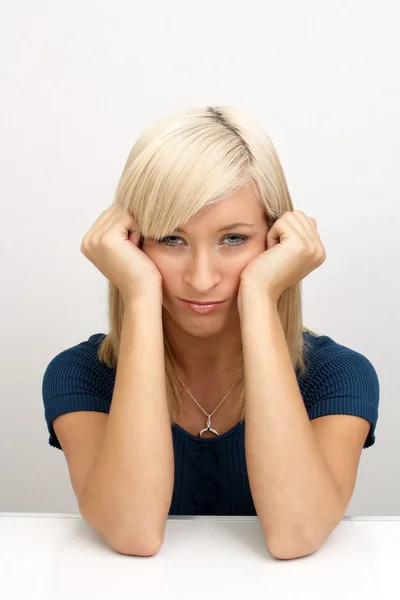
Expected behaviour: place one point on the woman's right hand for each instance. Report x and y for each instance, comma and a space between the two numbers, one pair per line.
112, 246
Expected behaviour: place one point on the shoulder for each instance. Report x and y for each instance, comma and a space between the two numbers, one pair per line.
77, 363
75, 380
338, 380
326, 359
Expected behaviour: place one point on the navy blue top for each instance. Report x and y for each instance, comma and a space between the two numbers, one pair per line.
210, 473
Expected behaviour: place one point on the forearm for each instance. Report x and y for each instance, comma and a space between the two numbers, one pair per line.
295, 495
130, 489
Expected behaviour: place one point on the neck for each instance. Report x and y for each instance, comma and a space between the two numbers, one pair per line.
208, 363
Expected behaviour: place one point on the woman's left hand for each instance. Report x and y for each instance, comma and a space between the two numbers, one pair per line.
294, 249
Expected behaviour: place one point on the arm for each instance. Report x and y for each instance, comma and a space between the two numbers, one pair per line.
128, 495
296, 497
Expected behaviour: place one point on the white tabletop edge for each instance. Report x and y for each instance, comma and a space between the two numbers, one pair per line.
39, 515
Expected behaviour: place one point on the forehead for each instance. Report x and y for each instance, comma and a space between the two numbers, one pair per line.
241, 206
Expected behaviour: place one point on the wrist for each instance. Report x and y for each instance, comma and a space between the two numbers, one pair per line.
250, 294
142, 297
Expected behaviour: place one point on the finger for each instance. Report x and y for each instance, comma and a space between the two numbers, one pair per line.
281, 228
308, 223
300, 222
107, 215
116, 213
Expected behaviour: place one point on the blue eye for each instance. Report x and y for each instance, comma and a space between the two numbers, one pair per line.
242, 239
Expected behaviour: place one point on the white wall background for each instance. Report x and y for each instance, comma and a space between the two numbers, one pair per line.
80, 80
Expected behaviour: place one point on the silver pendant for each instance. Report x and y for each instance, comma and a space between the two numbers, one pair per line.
208, 428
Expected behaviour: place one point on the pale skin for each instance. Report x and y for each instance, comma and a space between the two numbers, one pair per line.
204, 264
301, 473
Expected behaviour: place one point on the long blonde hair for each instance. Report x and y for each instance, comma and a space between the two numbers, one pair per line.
181, 164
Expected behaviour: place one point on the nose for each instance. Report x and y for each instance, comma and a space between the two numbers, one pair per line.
203, 272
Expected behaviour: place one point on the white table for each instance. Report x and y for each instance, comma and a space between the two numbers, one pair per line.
58, 556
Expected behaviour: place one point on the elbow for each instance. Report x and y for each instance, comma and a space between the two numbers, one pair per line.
296, 541
286, 552
132, 546
288, 544
287, 547
144, 541
123, 541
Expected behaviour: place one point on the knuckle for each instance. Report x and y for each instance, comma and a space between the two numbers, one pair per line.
105, 238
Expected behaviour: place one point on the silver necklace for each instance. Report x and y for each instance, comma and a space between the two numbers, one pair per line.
208, 426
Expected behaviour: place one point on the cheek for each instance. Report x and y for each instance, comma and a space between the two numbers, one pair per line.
164, 265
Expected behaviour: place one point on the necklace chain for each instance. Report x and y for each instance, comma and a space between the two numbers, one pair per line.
208, 428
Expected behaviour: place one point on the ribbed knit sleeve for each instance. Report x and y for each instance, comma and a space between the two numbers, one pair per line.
346, 383
210, 475
76, 380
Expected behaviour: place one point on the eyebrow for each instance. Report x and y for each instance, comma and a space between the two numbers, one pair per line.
231, 226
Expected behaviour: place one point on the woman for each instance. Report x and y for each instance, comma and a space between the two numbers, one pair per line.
196, 173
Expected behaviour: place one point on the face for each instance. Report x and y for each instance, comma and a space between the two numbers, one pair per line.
201, 263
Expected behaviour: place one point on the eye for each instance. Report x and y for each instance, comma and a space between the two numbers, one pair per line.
241, 239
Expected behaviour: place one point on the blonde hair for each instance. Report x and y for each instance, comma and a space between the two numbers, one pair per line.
181, 164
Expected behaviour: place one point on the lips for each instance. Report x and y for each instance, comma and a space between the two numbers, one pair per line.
203, 303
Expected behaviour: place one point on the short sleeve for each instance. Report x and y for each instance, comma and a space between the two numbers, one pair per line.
76, 380
347, 384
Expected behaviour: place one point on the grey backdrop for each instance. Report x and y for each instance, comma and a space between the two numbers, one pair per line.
80, 81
